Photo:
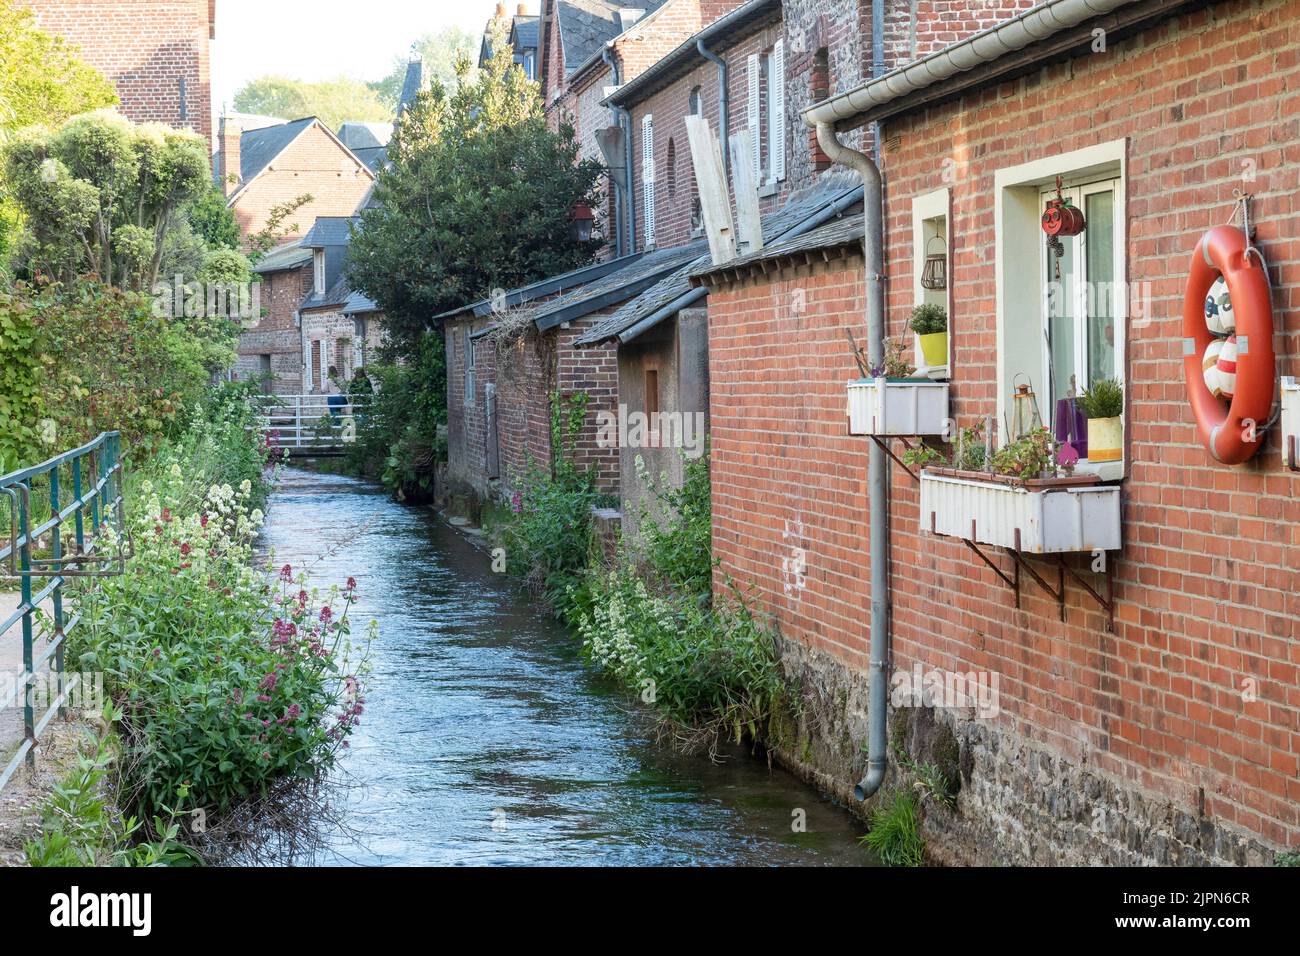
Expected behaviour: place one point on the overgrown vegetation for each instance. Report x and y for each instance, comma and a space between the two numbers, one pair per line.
81, 824
895, 831
231, 692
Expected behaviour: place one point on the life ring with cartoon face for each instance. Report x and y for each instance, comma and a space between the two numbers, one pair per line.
1228, 355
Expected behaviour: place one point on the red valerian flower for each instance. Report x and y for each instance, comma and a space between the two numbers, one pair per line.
286, 573
326, 614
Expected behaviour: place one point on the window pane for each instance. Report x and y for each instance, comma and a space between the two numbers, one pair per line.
1099, 212
1060, 324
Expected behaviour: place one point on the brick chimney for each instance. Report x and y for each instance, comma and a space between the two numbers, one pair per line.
229, 150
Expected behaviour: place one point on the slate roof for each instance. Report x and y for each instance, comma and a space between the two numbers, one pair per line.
290, 255
618, 287
357, 136
335, 295
357, 303
551, 285
412, 84
259, 147
329, 231
525, 32
586, 25
838, 232
832, 188
373, 156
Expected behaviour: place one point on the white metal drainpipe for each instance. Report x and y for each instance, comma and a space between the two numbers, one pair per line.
877, 473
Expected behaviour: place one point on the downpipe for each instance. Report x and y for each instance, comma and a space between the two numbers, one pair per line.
625, 198
877, 473
724, 102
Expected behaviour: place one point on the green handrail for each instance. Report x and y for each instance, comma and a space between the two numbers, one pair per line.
20, 559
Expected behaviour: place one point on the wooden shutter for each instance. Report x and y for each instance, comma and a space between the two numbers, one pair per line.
754, 111
776, 97
648, 175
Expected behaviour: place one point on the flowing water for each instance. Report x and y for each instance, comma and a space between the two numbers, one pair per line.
487, 739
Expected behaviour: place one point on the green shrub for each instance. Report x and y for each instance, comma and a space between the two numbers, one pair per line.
548, 536
1287, 859
677, 542
1105, 399
80, 826
929, 318
229, 690
895, 834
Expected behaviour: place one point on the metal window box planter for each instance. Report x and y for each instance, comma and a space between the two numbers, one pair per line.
1029, 518
899, 407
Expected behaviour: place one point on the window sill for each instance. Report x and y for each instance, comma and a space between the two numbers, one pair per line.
1105, 470
768, 189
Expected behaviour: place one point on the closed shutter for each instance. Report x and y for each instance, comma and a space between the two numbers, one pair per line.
648, 176
776, 96
754, 111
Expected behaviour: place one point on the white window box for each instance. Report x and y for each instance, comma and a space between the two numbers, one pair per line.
903, 407
1291, 422
1056, 519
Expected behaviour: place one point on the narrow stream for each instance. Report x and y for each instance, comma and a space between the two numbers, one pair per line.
488, 740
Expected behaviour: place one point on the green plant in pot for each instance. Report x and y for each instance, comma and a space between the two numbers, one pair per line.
1103, 405
930, 323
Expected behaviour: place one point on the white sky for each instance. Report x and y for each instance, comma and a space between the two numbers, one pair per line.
321, 39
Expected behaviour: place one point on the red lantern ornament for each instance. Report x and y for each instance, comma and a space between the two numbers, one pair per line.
1061, 218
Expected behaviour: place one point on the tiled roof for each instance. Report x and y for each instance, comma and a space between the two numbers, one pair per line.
288, 256
832, 188
357, 136
837, 232
259, 147
329, 231
586, 25
373, 156
551, 285
618, 287
335, 295
356, 302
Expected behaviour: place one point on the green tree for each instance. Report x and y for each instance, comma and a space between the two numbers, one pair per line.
478, 197
41, 81
100, 195
334, 102
213, 221
439, 52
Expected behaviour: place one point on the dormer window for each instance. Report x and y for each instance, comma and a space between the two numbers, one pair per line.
318, 274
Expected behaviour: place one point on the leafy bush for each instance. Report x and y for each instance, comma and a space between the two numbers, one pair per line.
106, 361
929, 318
81, 827
20, 391
1105, 399
711, 671
677, 544
895, 834
549, 535
1029, 456
230, 690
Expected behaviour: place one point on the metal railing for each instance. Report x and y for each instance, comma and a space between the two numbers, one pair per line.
37, 506
308, 426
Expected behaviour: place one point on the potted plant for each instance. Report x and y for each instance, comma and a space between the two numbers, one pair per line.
1014, 497
930, 323
1103, 406
890, 400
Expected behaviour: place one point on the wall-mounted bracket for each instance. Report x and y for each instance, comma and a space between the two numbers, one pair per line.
883, 442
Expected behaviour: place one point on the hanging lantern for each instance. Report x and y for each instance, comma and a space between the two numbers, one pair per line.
1024, 411
935, 273
580, 219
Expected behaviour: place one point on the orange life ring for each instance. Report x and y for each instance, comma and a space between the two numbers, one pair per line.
1232, 432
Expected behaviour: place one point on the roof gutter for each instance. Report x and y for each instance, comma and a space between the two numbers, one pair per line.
1039, 23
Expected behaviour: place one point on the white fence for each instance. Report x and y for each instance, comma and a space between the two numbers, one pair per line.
309, 426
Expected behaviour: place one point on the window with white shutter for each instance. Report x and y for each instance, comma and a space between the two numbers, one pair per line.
648, 176
754, 111
776, 111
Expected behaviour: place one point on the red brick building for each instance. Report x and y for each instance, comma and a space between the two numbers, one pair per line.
155, 52
1174, 738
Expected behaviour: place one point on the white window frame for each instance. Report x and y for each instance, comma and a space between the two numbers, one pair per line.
318, 271
925, 209
1019, 240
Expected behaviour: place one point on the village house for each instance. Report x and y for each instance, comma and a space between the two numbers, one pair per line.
270, 350
519, 32
340, 328
1146, 708
156, 53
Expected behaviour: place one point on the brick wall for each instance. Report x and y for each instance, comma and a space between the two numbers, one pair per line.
147, 48
1153, 715
275, 333
670, 107
314, 164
